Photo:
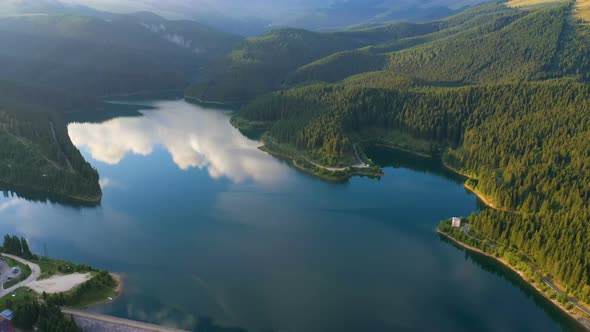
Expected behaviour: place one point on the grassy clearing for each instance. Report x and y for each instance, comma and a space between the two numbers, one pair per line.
51, 267
531, 4
582, 10
21, 295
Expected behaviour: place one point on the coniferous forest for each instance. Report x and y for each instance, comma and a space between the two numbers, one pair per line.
36, 151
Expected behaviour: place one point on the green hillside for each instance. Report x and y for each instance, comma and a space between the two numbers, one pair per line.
337, 67
476, 22
261, 64
501, 50
519, 51
36, 152
289, 57
504, 100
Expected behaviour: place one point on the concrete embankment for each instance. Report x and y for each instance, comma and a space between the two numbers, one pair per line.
90, 322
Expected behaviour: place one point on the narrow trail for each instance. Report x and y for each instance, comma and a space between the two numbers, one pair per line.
361, 163
68, 163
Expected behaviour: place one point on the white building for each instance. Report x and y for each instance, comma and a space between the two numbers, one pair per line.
456, 222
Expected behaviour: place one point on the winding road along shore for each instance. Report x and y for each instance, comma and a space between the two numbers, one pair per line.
545, 280
35, 273
584, 321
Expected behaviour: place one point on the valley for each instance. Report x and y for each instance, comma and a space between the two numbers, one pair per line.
95, 118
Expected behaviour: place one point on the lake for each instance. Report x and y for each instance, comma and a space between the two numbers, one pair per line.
209, 230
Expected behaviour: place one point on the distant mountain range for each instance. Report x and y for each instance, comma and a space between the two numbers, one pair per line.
254, 17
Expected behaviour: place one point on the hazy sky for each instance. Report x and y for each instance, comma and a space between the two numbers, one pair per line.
246, 7
235, 8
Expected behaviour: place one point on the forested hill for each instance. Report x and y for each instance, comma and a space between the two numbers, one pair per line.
290, 57
36, 152
93, 56
261, 64
502, 96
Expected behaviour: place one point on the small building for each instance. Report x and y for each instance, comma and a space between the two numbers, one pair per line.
7, 314
456, 222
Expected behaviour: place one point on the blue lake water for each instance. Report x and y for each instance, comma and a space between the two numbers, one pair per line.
207, 228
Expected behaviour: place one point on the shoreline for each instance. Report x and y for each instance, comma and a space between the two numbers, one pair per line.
94, 200
23, 191
201, 101
485, 200
294, 163
118, 290
454, 170
327, 177
120, 285
91, 320
579, 317
583, 320
474, 191
141, 93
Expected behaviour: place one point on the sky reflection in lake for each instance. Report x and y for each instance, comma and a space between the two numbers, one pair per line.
194, 136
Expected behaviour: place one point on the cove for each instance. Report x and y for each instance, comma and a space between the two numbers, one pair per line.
207, 228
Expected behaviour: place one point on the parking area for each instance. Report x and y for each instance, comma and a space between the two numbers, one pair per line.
6, 272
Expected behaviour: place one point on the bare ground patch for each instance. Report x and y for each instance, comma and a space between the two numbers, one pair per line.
59, 283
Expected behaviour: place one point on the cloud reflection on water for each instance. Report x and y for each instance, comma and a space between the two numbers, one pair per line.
195, 138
